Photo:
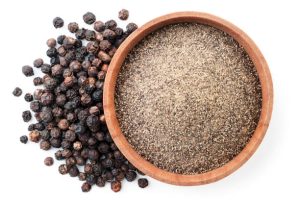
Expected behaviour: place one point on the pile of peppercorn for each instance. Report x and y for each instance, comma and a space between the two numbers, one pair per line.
69, 108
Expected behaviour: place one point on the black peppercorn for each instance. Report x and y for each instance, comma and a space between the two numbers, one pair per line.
142, 182
130, 176
109, 34
91, 179
48, 161
80, 34
46, 69
116, 186
105, 45
24, 139
131, 27
31, 127
34, 136
99, 26
123, 14
89, 18
17, 92
85, 187
89, 35
28, 97
82, 176
51, 43
111, 24
38, 62
73, 27
37, 81
45, 145
58, 155
26, 115
100, 182
63, 169
35, 106
60, 39
73, 171
66, 144
55, 142
45, 135
88, 168
27, 70
58, 22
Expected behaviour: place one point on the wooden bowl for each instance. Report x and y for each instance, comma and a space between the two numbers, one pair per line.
109, 95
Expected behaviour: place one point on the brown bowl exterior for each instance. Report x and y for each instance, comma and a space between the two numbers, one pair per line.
110, 112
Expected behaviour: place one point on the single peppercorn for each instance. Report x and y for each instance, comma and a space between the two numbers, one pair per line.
48, 161
37, 81
28, 97
100, 181
123, 14
130, 176
34, 136
82, 176
17, 92
38, 62
116, 186
89, 18
45, 145
131, 27
63, 169
24, 139
111, 24
27, 70
73, 171
99, 26
51, 43
86, 187
26, 115
142, 182
58, 22
73, 27
46, 68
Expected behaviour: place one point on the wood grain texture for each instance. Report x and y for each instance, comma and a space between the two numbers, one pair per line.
114, 126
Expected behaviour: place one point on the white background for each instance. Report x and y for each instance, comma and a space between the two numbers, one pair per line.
273, 171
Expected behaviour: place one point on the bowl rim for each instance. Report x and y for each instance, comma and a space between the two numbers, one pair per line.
109, 100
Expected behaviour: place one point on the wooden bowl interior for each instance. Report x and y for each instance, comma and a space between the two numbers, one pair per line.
109, 94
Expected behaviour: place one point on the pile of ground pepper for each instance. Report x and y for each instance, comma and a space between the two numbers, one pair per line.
188, 98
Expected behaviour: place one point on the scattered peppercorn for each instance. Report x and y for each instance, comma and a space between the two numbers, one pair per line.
26, 115
17, 92
24, 139
142, 182
34, 136
48, 161
37, 81
89, 18
28, 97
51, 43
99, 26
69, 107
131, 27
123, 14
58, 22
73, 27
38, 62
116, 186
27, 70
85, 187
